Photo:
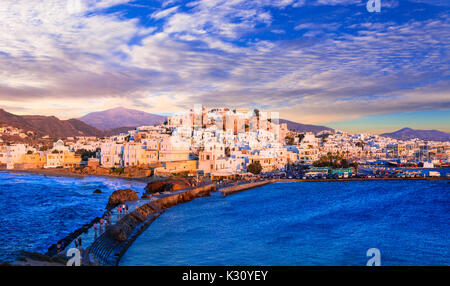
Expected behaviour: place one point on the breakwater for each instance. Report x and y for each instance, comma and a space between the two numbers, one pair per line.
113, 243
66, 241
246, 186
242, 187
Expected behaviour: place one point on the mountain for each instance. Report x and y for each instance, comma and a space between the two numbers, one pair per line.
304, 127
48, 125
121, 117
408, 133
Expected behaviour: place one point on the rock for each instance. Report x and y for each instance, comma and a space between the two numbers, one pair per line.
138, 216
155, 187
120, 197
168, 185
97, 191
116, 233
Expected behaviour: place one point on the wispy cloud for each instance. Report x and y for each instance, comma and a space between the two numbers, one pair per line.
222, 53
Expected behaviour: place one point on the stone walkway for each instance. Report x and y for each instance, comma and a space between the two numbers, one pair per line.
91, 235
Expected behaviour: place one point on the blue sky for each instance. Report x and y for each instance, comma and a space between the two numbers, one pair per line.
327, 62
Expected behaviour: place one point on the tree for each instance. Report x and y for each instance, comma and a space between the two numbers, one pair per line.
332, 161
85, 154
254, 168
354, 165
290, 140
344, 164
300, 137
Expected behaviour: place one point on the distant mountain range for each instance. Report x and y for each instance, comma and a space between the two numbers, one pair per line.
105, 123
304, 127
408, 133
121, 117
48, 125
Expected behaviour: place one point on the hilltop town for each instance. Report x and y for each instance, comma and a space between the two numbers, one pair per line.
217, 142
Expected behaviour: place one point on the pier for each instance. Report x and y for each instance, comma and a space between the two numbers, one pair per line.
243, 187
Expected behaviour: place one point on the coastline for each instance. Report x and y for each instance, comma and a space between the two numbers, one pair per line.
65, 173
45, 172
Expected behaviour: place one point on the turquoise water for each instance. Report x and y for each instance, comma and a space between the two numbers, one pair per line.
37, 211
304, 223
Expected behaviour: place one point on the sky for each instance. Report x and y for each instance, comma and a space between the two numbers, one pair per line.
327, 62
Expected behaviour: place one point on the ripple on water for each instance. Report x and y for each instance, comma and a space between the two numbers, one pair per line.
39, 210
307, 223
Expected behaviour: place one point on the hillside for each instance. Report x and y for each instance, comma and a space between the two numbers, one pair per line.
121, 117
304, 127
48, 125
409, 133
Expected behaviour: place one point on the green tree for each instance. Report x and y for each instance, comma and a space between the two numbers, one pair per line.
300, 137
254, 168
290, 140
344, 164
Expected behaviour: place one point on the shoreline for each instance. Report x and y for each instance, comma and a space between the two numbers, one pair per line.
64, 173
229, 190
58, 173
366, 179
44, 172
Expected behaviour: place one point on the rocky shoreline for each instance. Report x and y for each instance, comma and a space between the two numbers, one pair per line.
70, 174
112, 244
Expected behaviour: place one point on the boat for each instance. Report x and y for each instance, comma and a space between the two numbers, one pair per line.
393, 164
428, 165
434, 174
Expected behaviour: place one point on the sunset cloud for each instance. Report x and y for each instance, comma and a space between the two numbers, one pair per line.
55, 59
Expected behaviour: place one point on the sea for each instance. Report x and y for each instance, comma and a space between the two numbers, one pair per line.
38, 210
304, 224
292, 223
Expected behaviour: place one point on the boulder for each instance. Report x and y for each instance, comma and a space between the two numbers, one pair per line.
120, 197
116, 233
168, 185
97, 191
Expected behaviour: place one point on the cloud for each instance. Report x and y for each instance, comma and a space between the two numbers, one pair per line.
218, 53
164, 13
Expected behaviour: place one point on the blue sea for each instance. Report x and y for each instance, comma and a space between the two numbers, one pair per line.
36, 211
304, 223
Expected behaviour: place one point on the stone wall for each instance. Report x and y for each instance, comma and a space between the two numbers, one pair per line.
239, 188
112, 245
